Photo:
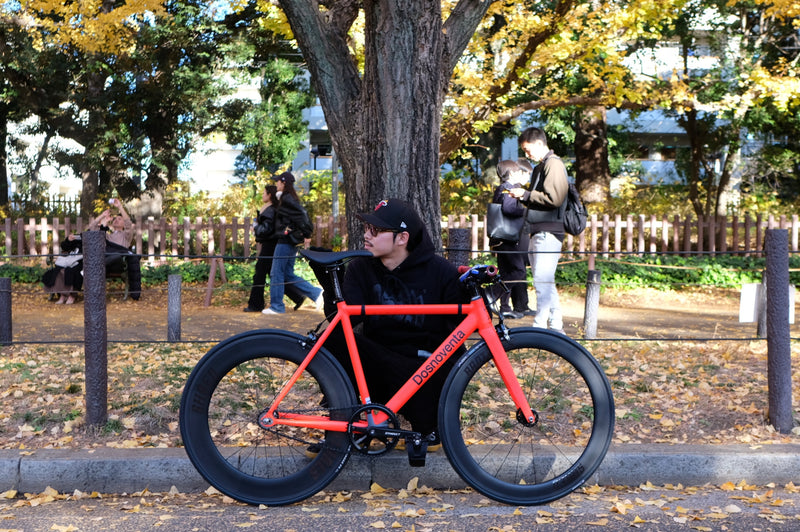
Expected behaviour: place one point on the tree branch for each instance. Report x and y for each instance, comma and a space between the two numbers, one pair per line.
322, 36
460, 27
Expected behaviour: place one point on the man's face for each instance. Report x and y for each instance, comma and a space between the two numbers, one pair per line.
380, 242
535, 151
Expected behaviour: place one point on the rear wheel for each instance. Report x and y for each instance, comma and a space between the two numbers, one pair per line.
238, 380
503, 456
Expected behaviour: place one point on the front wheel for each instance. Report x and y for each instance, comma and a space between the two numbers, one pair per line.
238, 380
498, 453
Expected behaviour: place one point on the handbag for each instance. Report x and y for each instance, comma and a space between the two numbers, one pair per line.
501, 227
70, 260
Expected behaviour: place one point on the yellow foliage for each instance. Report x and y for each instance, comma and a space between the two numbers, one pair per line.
588, 40
87, 24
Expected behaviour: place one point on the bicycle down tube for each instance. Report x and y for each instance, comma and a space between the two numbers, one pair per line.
477, 319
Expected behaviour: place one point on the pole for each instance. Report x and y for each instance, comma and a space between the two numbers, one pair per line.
174, 308
458, 246
779, 360
95, 327
5, 311
592, 304
761, 324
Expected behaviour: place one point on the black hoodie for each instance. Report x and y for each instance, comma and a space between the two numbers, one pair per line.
423, 277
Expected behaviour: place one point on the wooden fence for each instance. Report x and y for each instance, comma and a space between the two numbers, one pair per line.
607, 236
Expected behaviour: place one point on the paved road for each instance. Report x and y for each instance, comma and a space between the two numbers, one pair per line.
644, 508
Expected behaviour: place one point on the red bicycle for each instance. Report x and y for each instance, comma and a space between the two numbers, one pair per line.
526, 415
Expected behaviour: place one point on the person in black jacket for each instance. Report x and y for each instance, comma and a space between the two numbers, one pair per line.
512, 257
404, 269
293, 229
267, 239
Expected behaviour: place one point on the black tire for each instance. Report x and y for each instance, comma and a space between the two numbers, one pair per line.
507, 460
223, 397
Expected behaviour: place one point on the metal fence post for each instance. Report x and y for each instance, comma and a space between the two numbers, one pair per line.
174, 308
761, 323
592, 304
5, 311
458, 246
95, 327
779, 359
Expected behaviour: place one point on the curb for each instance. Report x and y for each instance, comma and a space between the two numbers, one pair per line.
159, 470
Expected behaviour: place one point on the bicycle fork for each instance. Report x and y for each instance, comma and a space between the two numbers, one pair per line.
525, 413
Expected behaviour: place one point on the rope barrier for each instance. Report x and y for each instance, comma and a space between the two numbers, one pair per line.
576, 338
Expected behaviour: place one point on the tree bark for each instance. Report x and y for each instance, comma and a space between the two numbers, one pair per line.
90, 181
385, 126
592, 175
695, 158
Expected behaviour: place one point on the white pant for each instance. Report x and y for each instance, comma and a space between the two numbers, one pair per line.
544, 250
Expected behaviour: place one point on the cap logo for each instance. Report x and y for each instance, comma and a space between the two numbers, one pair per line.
382, 203
403, 225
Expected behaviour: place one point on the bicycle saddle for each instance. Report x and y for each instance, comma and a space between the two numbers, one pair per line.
332, 257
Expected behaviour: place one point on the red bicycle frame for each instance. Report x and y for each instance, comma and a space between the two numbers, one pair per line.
477, 319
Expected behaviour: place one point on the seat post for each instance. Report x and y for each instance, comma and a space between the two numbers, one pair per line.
333, 272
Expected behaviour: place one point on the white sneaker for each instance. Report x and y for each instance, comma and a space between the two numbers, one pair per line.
320, 302
269, 311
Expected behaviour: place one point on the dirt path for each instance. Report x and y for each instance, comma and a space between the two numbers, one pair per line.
631, 314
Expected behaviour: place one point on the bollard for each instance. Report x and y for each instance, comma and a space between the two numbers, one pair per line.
174, 308
592, 304
95, 327
779, 357
5, 311
458, 246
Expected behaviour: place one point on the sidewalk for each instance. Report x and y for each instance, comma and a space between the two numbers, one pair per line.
132, 470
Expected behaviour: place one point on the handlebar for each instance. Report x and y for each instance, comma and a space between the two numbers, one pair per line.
480, 274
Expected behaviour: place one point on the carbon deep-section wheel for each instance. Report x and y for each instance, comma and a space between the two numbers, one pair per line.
502, 455
231, 386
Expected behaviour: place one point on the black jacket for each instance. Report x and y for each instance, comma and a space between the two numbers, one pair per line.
423, 277
265, 225
290, 221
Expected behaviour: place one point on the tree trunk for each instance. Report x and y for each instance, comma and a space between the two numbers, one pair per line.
592, 175
37, 167
90, 181
385, 127
695, 161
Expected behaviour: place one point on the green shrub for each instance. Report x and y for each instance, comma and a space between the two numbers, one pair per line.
662, 272
22, 274
666, 272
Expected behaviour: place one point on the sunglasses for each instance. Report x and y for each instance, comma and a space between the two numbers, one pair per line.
375, 230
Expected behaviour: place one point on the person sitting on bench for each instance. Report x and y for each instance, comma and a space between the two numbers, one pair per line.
119, 236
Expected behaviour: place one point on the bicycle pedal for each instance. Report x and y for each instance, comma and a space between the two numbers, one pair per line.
417, 451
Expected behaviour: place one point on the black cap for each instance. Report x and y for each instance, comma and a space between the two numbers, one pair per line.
286, 177
394, 214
